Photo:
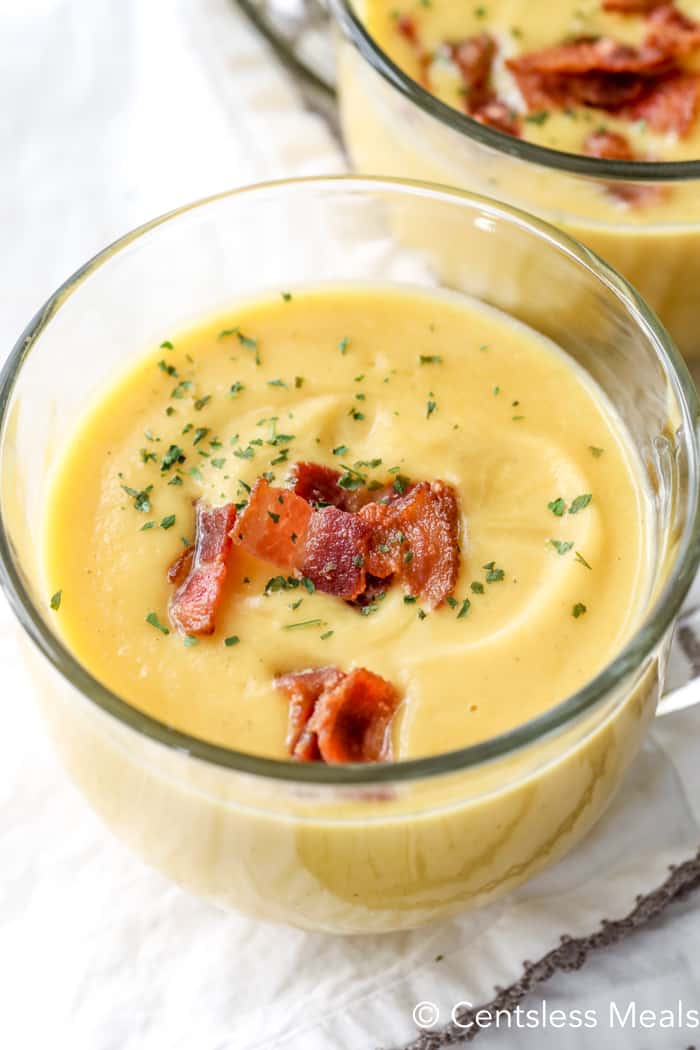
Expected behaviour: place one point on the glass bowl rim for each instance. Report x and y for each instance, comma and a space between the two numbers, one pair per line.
567, 711
559, 160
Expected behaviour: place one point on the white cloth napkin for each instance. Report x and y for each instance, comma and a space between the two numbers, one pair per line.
114, 112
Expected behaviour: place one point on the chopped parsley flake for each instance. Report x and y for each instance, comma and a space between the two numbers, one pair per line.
231, 641
303, 623
355, 414
595, 451
172, 456
561, 546
341, 450
141, 499
236, 388
189, 641
580, 503
168, 521
166, 345
429, 359
464, 609
56, 600
493, 574
477, 587
277, 382
430, 407
401, 483
343, 345
181, 389
578, 610
170, 370
147, 526
557, 506
286, 296
409, 599
152, 618
582, 561
327, 634
202, 401
200, 434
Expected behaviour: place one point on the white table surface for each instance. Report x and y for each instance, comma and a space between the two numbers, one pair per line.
114, 111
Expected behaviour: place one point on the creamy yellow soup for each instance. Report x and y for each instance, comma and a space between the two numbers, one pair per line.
519, 28
555, 535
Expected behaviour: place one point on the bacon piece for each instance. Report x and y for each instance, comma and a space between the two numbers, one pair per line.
409, 31
375, 588
336, 551
597, 72
496, 114
608, 145
179, 570
193, 605
385, 554
611, 145
303, 689
632, 7
672, 32
474, 57
416, 537
274, 525
592, 55
337, 717
319, 485
352, 720
671, 104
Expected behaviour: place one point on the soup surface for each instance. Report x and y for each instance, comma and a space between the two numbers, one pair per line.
390, 386
611, 78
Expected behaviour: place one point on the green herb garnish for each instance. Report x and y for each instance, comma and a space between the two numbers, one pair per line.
152, 618
580, 503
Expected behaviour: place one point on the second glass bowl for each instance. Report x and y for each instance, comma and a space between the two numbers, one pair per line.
393, 126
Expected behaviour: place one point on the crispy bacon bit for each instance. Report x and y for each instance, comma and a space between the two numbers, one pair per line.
303, 689
336, 551
193, 605
179, 570
274, 525
375, 589
672, 32
671, 104
473, 57
409, 31
319, 485
594, 72
608, 145
591, 55
498, 115
632, 7
417, 537
337, 717
611, 145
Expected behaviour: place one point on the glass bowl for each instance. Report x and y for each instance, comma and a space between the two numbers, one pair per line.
393, 126
348, 849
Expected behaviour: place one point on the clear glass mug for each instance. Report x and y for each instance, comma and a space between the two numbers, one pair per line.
359, 848
393, 126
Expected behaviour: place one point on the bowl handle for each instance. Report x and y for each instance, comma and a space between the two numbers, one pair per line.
685, 664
